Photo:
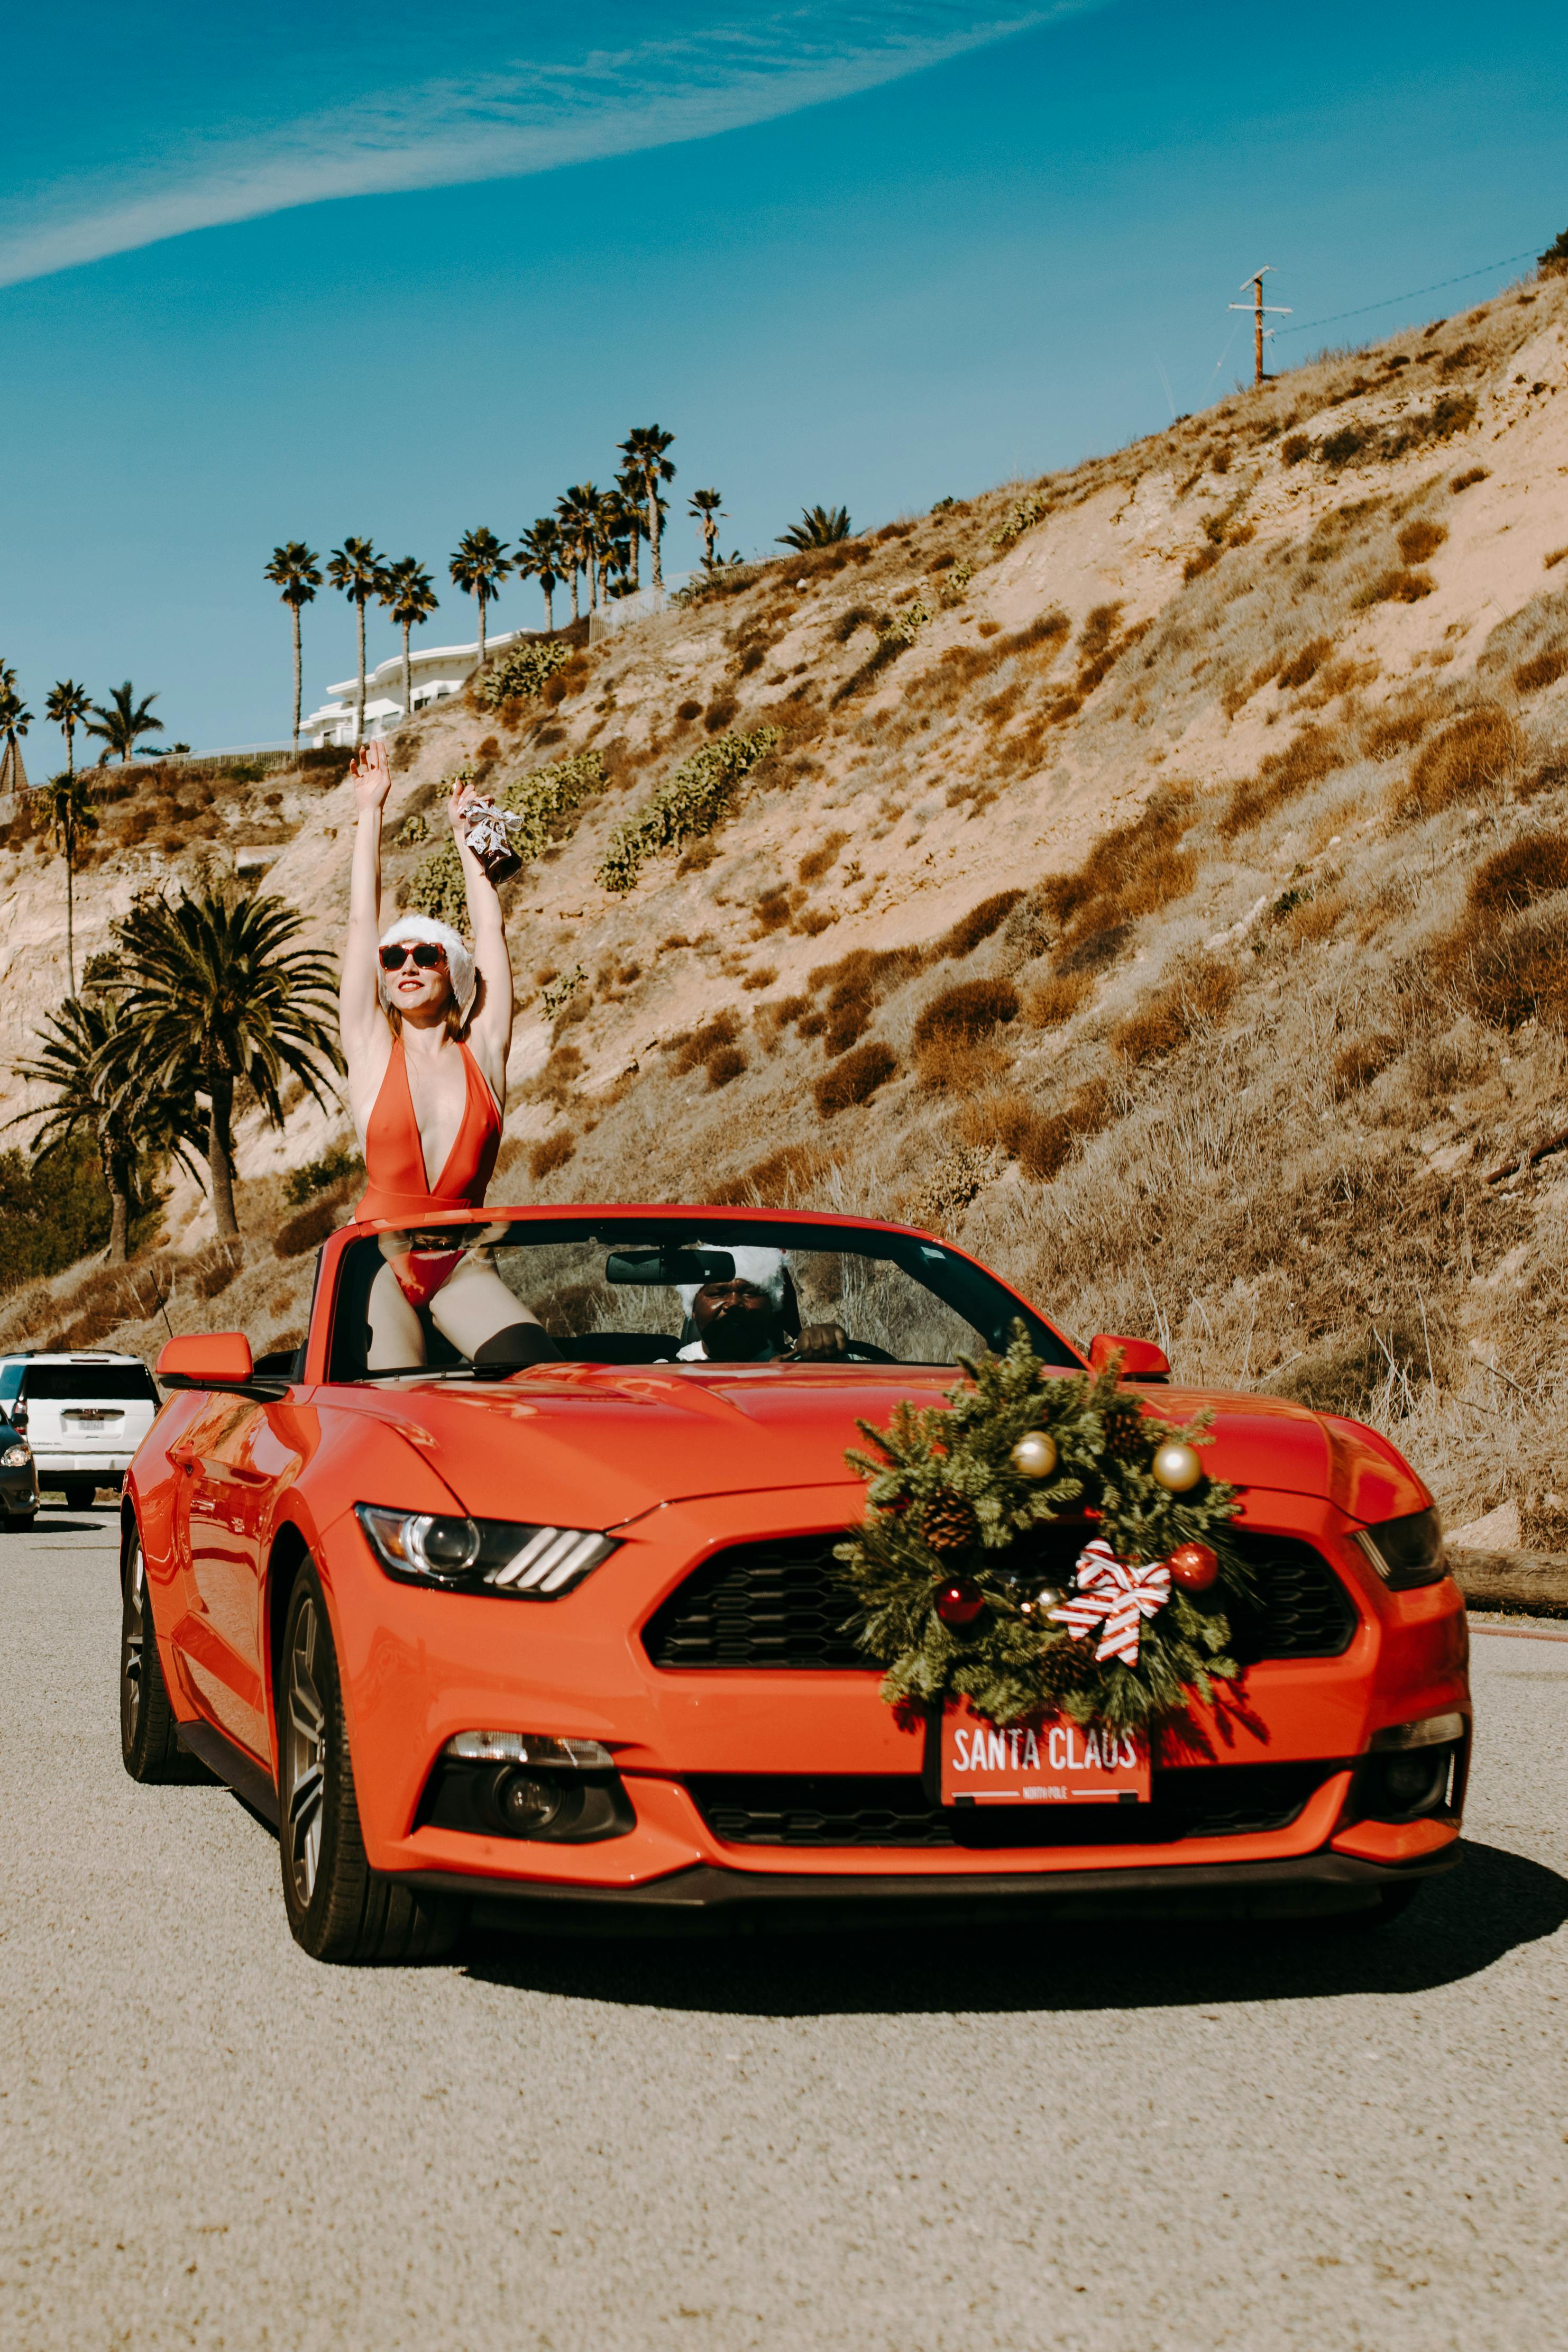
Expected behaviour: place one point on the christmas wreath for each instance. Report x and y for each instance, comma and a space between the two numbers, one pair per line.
946, 1564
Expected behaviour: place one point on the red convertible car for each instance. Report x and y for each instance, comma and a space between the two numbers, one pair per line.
555, 1631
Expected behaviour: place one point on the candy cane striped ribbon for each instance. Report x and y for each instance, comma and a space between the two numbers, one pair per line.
1113, 1595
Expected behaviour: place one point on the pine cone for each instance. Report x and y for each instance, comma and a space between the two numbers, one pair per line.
948, 1523
1126, 1433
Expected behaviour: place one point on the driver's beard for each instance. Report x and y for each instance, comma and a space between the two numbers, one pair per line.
736, 1337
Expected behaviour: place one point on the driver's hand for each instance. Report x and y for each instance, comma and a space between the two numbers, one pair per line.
370, 777
819, 1343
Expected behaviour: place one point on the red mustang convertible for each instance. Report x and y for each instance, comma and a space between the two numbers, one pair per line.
555, 1631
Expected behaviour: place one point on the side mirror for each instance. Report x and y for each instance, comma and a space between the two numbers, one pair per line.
1141, 1359
206, 1359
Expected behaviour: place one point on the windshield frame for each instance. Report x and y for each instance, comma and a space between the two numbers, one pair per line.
617, 1224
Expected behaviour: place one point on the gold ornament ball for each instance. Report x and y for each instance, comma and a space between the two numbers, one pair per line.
1034, 1456
1176, 1467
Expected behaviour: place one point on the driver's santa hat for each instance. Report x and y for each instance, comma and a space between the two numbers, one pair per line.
763, 1268
459, 957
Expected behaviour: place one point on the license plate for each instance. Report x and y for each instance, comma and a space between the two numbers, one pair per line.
1049, 1764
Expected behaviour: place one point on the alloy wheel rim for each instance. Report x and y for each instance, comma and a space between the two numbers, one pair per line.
133, 1648
305, 1747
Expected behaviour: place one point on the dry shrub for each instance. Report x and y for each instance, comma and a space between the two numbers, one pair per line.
816, 863
855, 987
1396, 732
783, 1181
558, 1080
968, 1011
552, 1153
1311, 756
729, 1063
714, 1043
1399, 585
1364, 1059
1304, 665
958, 1065
1469, 478
1294, 447
1347, 1373
1133, 870
764, 976
1509, 971
214, 1266
855, 1076
1314, 919
1420, 540
979, 924
689, 709
307, 1231
1193, 999
1529, 868
770, 910
1479, 753
1055, 1000
1543, 669
1557, 556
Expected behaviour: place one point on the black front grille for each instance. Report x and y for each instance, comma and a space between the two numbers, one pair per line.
785, 1604
889, 1810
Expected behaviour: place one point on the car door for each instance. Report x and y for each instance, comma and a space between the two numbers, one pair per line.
233, 1459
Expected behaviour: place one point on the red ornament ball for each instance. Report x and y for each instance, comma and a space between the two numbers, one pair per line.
1193, 1566
959, 1604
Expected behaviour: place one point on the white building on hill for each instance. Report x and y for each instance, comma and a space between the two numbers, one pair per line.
434, 673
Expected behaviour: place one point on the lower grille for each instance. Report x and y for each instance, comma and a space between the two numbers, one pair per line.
784, 1603
889, 1810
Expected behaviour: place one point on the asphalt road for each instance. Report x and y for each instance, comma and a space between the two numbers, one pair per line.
1140, 2140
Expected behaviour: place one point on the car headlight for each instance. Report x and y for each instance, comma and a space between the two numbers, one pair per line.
517, 1557
1407, 1552
15, 1458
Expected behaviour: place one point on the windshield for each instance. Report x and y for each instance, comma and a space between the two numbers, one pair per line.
96, 1383
711, 1290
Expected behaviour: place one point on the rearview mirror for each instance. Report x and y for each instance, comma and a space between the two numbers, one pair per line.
1141, 1359
206, 1359
668, 1263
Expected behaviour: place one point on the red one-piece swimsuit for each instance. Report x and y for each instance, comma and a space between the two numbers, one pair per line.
399, 1190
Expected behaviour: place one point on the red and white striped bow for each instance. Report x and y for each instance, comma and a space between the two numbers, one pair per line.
1116, 1596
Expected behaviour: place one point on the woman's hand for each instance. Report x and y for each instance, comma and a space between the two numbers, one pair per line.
370, 777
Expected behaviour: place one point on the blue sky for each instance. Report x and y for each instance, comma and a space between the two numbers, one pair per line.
401, 270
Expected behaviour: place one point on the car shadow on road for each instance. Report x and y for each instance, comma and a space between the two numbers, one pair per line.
1459, 1925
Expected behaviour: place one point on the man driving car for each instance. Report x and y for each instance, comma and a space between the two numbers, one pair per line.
750, 1318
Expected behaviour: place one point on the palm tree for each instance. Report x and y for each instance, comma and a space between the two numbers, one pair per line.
633, 525
214, 990
643, 450
120, 721
409, 593
67, 708
125, 1120
579, 511
540, 555
478, 567
15, 721
67, 801
296, 572
356, 569
817, 527
705, 508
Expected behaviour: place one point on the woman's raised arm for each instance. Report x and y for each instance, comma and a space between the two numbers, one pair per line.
490, 1031
361, 1018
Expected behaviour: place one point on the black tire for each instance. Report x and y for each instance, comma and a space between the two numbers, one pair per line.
338, 1908
79, 1496
148, 1738
22, 1519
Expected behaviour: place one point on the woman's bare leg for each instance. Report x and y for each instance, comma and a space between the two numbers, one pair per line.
475, 1304
395, 1334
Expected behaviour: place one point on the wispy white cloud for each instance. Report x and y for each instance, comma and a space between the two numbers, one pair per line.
523, 117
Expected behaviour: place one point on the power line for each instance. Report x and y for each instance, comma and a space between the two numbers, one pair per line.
1388, 302
1258, 306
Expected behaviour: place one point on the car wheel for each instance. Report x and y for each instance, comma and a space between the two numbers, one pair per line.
339, 1907
80, 1497
23, 1519
148, 1738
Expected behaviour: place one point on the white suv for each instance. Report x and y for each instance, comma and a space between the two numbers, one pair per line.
83, 1415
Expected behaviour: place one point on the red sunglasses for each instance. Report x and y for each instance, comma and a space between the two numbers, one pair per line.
426, 954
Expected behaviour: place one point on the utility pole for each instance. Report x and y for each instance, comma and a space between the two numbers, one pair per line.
1258, 308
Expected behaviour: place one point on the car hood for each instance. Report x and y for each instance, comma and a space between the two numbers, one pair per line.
596, 1445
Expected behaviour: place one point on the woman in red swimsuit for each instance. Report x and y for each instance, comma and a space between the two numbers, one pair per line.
426, 1027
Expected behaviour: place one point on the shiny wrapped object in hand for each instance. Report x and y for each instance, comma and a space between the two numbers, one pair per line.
486, 825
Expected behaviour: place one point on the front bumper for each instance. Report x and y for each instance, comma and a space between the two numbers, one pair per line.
709, 1900
18, 1493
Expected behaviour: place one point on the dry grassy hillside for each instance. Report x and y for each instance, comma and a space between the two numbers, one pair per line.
1159, 883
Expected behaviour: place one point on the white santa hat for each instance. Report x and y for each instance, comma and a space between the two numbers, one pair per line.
764, 1268
459, 958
